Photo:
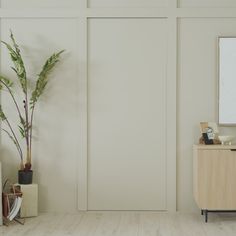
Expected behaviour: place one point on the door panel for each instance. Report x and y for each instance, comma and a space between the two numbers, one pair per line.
126, 114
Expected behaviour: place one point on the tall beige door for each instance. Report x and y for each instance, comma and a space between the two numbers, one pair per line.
127, 114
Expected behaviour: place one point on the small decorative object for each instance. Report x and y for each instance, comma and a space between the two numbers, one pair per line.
226, 139
12, 201
209, 132
24, 108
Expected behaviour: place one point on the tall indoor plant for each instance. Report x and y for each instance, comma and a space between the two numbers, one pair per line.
25, 109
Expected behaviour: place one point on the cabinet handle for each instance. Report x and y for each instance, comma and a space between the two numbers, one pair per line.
233, 150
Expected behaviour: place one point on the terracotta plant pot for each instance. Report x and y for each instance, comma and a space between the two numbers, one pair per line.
25, 177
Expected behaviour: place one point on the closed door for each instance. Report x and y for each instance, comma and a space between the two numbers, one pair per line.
126, 114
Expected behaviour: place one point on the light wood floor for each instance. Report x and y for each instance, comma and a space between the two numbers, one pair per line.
124, 224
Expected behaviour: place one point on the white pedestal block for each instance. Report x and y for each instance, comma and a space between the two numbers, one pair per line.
30, 200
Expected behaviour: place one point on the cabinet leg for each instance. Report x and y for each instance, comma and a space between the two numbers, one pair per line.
206, 216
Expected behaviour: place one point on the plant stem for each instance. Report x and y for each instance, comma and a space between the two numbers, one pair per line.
15, 142
28, 154
13, 133
31, 128
14, 100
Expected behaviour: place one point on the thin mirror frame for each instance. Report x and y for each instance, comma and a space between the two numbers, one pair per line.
218, 83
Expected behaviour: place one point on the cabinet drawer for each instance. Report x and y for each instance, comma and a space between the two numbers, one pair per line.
215, 179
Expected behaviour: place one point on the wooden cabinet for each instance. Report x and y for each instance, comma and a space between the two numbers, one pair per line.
214, 177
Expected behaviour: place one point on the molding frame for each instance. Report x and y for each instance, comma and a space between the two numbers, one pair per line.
82, 185
84, 12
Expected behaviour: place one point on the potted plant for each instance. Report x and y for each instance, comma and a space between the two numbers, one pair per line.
24, 109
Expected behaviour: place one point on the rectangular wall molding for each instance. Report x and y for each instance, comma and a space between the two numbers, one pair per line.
119, 12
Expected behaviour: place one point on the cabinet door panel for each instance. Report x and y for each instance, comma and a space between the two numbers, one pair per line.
217, 179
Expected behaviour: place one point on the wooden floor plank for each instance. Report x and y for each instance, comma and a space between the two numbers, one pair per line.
121, 223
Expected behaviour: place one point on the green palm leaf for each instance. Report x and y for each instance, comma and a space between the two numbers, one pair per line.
5, 81
17, 60
2, 114
43, 77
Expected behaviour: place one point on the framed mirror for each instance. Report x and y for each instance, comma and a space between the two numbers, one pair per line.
227, 81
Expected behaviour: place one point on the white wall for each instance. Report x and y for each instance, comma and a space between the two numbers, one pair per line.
56, 115
61, 159
197, 90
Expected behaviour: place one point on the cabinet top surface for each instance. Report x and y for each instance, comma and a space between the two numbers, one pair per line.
214, 147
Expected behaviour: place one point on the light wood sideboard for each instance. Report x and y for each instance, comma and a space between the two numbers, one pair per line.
214, 178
